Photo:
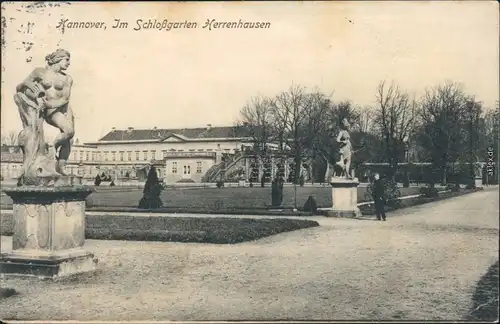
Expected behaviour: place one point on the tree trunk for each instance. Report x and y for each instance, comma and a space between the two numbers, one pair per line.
444, 173
298, 163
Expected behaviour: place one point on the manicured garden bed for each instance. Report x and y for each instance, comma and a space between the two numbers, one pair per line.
179, 229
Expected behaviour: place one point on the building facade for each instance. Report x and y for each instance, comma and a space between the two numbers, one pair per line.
179, 155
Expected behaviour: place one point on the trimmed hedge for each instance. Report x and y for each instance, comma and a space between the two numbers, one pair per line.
369, 209
217, 199
270, 211
218, 230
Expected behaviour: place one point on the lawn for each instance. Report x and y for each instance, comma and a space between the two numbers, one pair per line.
215, 198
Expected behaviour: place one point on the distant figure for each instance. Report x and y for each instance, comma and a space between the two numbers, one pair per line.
97, 180
379, 196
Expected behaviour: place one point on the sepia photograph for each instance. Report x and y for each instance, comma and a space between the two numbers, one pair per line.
249, 161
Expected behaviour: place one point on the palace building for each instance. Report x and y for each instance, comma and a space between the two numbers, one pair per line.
180, 155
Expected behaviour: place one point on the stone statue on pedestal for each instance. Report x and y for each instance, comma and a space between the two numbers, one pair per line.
48, 205
344, 185
345, 150
44, 96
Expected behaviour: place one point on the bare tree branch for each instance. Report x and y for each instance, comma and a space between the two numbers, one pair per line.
10, 138
394, 121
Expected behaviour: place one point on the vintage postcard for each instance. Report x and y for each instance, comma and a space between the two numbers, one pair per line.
249, 161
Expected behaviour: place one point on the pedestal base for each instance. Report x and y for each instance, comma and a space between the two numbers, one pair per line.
49, 232
343, 213
47, 265
344, 198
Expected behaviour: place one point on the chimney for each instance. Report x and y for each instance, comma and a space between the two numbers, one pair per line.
209, 126
129, 129
113, 129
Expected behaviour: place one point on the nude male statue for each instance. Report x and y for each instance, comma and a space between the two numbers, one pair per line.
50, 88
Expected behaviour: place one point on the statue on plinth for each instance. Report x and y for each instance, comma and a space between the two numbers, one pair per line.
44, 96
345, 150
48, 205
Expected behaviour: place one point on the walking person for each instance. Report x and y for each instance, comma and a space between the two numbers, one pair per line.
379, 196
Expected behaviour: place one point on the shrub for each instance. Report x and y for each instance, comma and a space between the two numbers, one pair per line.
89, 203
276, 193
7, 292
471, 186
406, 180
151, 193
310, 205
219, 183
429, 192
301, 180
391, 191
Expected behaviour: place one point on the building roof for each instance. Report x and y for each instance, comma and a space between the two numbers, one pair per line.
131, 134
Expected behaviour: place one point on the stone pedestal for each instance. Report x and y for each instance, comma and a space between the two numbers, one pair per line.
344, 198
49, 232
478, 175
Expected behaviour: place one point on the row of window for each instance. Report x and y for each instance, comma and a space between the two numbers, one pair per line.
125, 155
187, 168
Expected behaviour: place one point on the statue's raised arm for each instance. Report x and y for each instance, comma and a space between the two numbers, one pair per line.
31, 86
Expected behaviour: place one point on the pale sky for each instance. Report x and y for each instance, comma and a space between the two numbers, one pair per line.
194, 77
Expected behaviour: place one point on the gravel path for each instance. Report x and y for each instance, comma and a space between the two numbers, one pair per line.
422, 264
